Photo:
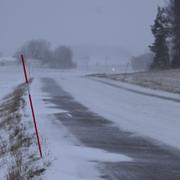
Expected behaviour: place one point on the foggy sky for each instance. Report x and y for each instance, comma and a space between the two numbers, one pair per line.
73, 22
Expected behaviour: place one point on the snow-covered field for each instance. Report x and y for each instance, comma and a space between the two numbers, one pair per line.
9, 78
167, 80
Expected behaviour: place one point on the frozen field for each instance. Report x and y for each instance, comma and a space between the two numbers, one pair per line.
167, 80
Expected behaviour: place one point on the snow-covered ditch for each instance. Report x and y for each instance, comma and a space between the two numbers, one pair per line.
18, 157
10, 77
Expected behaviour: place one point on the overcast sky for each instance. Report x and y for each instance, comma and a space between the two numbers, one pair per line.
72, 22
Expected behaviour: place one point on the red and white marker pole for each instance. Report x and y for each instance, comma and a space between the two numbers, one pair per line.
31, 105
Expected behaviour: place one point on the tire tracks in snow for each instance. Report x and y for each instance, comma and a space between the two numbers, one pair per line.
151, 161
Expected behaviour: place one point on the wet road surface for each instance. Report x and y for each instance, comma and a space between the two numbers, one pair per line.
151, 160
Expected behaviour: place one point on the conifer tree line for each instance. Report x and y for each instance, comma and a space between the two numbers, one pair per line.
166, 32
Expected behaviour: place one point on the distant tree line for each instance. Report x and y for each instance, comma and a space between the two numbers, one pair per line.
40, 50
166, 32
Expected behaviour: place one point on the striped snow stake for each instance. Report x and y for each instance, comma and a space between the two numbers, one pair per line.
31, 105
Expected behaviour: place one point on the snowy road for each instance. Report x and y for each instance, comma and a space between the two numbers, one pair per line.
145, 118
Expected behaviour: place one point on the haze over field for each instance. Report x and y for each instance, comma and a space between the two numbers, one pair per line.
78, 22
90, 89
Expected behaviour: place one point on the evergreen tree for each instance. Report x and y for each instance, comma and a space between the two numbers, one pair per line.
174, 19
159, 47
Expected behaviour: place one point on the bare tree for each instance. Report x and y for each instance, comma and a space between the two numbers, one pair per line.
62, 57
40, 50
36, 49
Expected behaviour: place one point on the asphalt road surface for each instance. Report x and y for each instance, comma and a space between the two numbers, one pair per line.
151, 160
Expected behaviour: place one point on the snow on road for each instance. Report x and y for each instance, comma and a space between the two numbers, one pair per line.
71, 159
148, 116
